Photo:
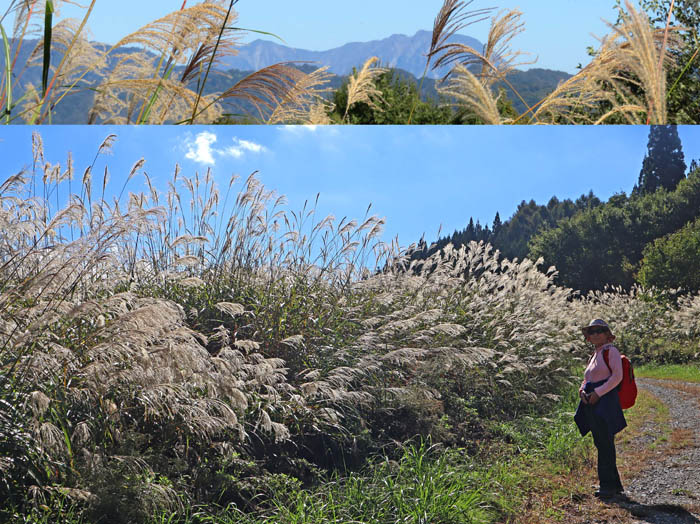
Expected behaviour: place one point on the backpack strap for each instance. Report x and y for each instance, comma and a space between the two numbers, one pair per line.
606, 359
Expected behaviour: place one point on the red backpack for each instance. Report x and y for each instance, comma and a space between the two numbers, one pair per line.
627, 389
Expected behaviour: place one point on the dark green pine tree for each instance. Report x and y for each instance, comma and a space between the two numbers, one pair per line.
694, 165
471, 230
496, 227
664, 164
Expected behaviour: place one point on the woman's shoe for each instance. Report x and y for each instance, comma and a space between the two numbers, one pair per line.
606, 493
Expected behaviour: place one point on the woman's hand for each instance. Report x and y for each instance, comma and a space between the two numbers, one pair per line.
593, 398
583, 396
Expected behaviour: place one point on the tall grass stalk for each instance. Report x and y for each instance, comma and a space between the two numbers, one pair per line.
211, 60
450, 20
361, 87
685, 69
633, 54
7, 95
46, 89
496, 60
48, 26
663, 45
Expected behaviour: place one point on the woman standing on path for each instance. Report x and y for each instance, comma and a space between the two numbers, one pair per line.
599, 410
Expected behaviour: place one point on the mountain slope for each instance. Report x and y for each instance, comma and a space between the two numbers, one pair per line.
405, 54
396, 51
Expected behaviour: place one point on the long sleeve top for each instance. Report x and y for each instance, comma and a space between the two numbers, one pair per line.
597, 370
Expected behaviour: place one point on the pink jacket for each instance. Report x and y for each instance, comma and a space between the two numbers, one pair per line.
597, 370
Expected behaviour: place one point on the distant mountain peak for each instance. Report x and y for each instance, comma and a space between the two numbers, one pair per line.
397, 51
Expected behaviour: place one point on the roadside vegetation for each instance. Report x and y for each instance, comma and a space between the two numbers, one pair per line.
198, 355
645, 71
682, 372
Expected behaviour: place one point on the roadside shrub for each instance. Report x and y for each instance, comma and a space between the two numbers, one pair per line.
671, 261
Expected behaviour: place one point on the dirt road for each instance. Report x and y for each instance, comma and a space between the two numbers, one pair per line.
665, 488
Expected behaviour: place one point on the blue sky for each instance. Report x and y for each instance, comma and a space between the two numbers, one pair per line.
418, 178
556, 32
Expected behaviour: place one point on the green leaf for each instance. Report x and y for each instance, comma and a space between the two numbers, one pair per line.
48, 20
154, 97
257, 31
211, 60
8, 74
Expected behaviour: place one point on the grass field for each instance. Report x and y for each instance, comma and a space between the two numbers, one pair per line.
684, 372
156, 361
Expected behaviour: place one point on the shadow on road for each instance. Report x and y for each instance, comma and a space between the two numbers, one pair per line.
656, 513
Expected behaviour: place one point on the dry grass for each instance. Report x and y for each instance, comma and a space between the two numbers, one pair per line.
641, 51
451, 19
227, 323
475, 92
497, 58
471, 93
681, 439
156, 74
632, 59
361, 86
686, 388
66, 284
304, 103
162, 81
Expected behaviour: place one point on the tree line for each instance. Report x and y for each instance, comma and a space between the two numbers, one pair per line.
650, 237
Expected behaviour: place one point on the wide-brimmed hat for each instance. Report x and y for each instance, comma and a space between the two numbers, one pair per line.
596, 323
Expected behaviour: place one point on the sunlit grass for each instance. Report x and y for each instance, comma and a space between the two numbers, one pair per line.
156, 356
155, 75
647, 424
162, 79
684, 372
537, 465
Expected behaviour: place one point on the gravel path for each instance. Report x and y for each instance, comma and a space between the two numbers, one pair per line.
668, 490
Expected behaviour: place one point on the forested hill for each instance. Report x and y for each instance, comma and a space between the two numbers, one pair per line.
511, 237
532, 85
650, 237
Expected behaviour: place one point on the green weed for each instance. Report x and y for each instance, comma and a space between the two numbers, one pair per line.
683, 372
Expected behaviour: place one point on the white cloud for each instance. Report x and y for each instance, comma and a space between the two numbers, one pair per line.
201, 149
233, 151
251, 146
298, 130
323, 136
241, 146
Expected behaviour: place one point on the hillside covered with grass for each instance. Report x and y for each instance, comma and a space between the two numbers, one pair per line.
210, 355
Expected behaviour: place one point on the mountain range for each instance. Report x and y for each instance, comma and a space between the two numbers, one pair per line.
396, 51
403, 53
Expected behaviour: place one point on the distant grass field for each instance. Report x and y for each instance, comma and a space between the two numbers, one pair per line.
685, 372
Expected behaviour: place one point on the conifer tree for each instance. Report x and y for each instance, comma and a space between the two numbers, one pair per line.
694, 165
664, 164
496, 227
471, 229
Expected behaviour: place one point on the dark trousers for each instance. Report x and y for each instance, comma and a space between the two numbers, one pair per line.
604, 442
